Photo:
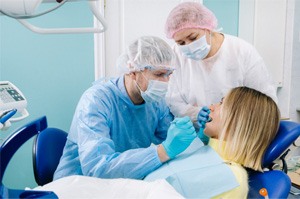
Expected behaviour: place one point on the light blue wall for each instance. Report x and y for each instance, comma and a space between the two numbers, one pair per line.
227, 13
52, 71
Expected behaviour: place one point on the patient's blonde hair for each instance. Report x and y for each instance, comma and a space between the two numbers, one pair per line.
250, 121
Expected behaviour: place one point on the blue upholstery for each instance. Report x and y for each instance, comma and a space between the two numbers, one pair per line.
17, 139
47, 150
277, 183
14, 142
288, 132
6, 193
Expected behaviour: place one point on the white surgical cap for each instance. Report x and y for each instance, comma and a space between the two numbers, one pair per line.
146, 52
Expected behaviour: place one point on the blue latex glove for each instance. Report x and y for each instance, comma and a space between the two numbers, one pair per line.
203, 118
204, 138
180, 135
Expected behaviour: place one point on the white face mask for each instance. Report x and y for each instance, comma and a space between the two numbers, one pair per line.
155, 92
196, 50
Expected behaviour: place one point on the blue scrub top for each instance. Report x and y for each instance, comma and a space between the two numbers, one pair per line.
110, 137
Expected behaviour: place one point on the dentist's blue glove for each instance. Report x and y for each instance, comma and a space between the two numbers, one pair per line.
180, 135
203, 118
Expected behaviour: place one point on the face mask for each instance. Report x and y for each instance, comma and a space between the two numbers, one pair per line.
196, 50
156, 91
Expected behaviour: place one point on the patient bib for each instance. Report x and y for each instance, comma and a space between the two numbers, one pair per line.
199, 172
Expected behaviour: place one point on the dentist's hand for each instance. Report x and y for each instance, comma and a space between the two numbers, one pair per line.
180, 135
203, 118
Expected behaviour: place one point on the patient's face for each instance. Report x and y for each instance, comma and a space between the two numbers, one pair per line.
213, 128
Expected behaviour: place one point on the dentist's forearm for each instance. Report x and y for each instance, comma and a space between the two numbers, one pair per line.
162, 154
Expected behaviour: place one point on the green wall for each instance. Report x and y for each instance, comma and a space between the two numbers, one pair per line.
52, 71
227, 13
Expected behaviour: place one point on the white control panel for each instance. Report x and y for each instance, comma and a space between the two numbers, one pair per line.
11, 101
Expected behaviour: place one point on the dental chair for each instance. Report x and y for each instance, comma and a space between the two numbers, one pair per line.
276, 182
48, 150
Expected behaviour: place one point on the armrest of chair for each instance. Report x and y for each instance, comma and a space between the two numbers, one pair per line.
9, 147
16, 193
17, 139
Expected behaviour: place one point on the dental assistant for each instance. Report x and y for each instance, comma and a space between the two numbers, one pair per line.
209, 63
116, 122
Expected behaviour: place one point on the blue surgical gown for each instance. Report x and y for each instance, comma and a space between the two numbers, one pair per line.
110, 137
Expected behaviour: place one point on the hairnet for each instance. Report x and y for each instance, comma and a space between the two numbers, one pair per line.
146, 52
189, 15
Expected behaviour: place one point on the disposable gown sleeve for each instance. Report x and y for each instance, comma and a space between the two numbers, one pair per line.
97, 153
257, 76
165, 119
176, 102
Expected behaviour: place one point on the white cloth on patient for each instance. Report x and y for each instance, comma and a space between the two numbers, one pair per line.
90, 187
199, 172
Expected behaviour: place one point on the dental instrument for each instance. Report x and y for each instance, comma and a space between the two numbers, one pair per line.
12, 100
6, 115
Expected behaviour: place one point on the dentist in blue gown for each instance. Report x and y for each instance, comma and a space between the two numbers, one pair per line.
121, 128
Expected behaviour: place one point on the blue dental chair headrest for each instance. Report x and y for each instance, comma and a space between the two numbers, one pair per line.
276, 182
287, 133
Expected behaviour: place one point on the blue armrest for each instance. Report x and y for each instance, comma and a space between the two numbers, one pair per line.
9, 147
16, 193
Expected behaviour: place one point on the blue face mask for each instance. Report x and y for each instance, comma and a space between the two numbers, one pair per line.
196, 50
155, 92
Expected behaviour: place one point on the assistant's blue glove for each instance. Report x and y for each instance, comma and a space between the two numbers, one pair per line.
203, 118
204, 138
180, 135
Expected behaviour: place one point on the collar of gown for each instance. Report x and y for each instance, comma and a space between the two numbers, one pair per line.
121, 86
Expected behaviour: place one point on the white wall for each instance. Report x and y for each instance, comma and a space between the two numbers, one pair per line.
256, 25
268, 25
289, 94
295, 70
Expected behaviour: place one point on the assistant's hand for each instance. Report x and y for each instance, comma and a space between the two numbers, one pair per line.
203, 118
180, 135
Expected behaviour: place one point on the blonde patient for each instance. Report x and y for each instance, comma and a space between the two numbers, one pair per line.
244, 122
242, 126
